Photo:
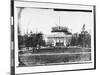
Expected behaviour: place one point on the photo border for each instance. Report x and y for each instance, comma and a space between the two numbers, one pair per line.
12, 65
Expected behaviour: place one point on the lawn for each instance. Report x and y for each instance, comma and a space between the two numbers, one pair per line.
56, 55
57, 50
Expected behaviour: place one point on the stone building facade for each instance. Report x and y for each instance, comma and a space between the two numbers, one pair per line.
60, 36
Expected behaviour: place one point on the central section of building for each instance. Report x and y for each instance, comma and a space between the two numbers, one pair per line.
60, 36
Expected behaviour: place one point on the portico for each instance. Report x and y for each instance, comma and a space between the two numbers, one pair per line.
59, 37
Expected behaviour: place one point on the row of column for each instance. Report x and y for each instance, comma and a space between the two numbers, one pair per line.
56, 40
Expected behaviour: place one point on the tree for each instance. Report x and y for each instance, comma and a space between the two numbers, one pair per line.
39, 39
74, 40
20, 41
83, 39
34, 40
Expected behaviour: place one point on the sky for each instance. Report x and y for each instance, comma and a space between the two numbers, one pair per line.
42, 20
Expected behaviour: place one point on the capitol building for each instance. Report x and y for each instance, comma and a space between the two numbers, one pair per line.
60, 36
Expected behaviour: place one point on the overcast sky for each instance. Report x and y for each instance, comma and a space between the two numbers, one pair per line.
42, 20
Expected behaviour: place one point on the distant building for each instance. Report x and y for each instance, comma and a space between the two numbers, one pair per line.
60, 36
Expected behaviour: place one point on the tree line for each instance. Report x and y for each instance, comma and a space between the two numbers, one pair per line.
35, 40
82, 39
31, 40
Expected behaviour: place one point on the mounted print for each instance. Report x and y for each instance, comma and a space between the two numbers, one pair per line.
52, 37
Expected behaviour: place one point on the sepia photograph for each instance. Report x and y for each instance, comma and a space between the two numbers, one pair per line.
53, 34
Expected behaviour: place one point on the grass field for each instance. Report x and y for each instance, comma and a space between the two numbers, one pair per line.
57, 50
57, 55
